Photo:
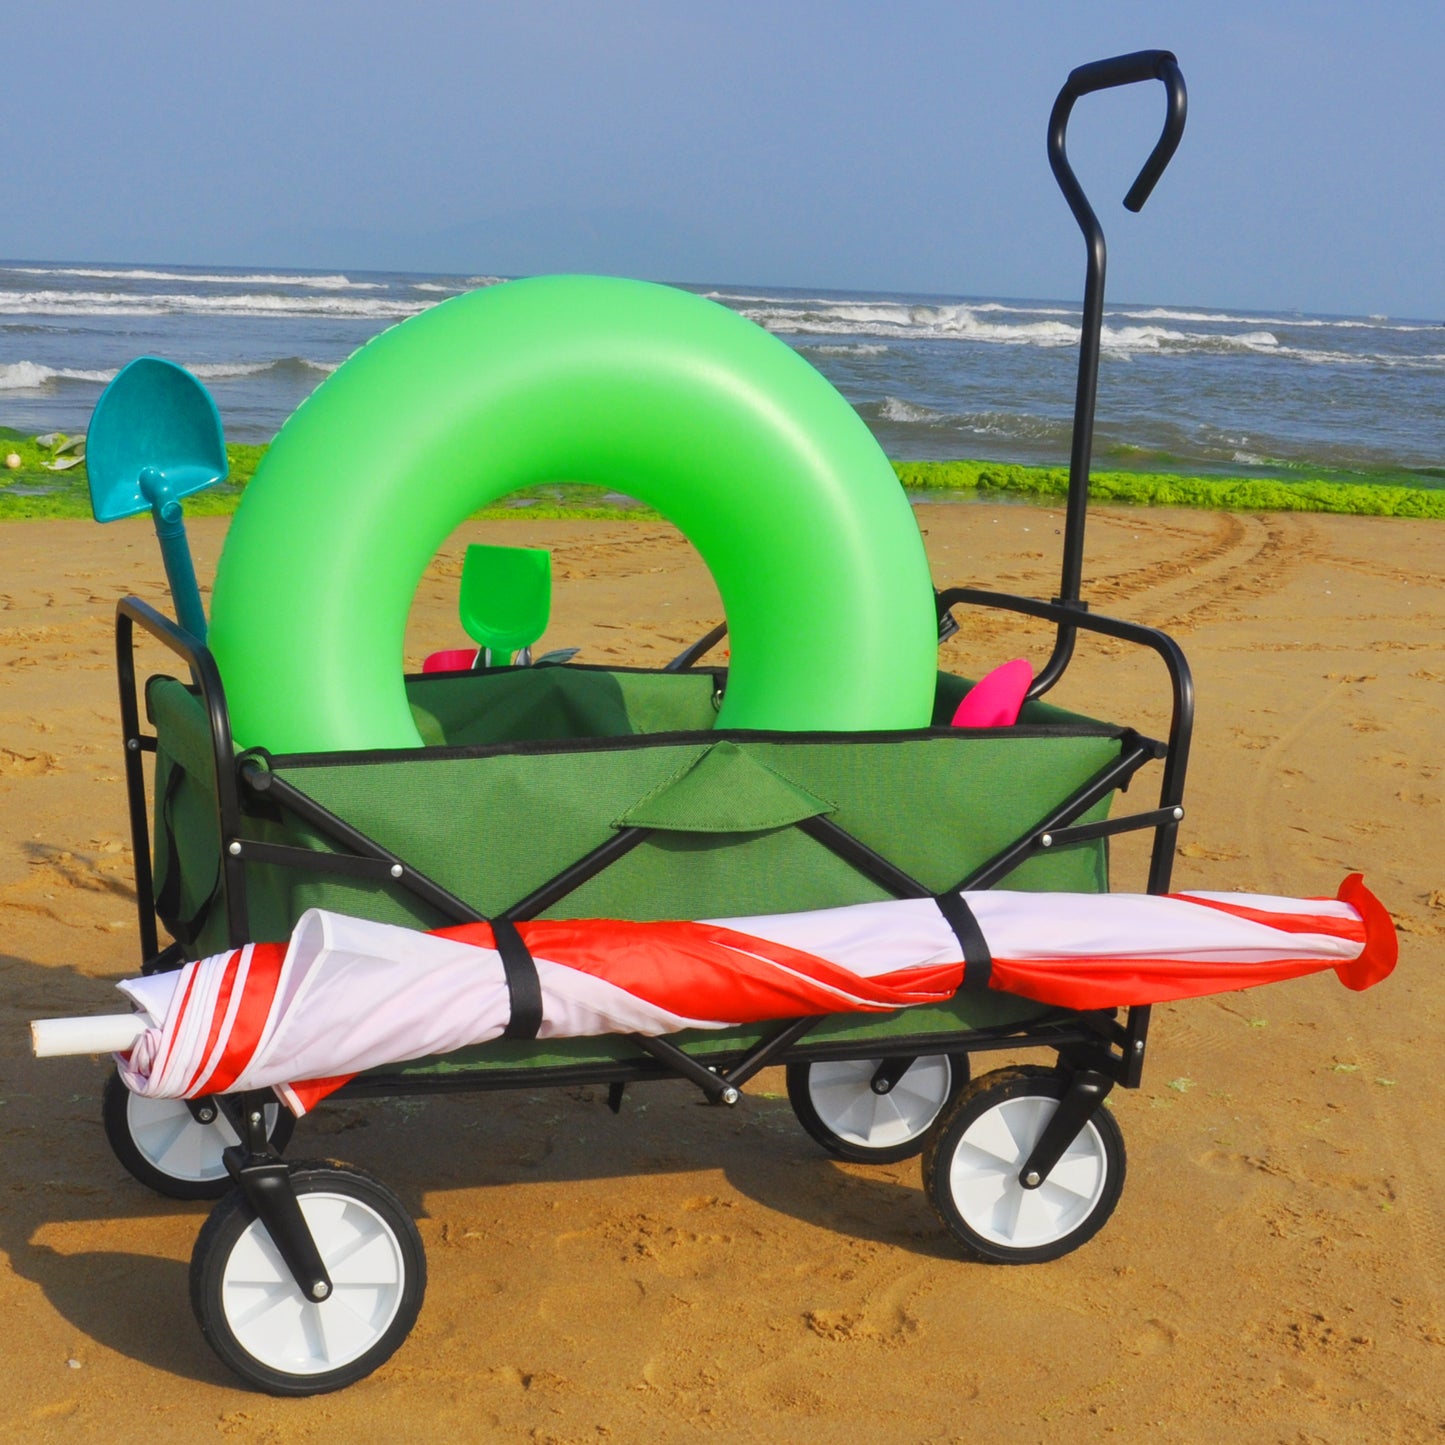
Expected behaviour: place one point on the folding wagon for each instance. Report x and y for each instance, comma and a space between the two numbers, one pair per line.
572, 791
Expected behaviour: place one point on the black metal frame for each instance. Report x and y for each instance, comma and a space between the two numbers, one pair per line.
1098, 1049
1114, 1048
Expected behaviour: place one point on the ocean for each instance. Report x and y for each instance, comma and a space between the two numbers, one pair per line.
1182, 388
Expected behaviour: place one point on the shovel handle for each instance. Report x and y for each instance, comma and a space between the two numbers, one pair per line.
180, 569
170, 525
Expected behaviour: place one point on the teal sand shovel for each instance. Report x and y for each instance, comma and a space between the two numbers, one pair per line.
506, 600
155, 437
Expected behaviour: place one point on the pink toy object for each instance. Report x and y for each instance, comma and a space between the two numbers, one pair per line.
346, 994
994, 701
451, 659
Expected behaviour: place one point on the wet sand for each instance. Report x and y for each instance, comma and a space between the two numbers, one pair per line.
1274, 1272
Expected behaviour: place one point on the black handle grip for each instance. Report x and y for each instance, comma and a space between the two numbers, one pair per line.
1119, 70
1106, 75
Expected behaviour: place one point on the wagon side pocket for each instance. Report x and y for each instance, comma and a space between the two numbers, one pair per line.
186, 833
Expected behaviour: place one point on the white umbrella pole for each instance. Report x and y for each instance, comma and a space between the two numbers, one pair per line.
102, 1034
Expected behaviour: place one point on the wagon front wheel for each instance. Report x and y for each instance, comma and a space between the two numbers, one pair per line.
972, 1166
254, 1315
874, 1111
164, 1146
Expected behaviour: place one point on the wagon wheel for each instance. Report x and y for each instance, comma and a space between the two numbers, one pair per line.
874, 1111
163, 1145
253, 1314
972, 1164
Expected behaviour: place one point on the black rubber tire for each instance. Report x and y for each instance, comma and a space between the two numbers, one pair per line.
801, 1080
116, 1106
233, 1224
1098, 1156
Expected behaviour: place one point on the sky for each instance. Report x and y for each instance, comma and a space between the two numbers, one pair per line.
871, 146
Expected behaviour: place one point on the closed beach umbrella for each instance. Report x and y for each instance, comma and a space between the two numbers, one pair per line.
345, 994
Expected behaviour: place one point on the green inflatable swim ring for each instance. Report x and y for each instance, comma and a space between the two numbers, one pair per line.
645, 389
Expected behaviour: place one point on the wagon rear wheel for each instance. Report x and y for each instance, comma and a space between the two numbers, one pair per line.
972, 1165
164, 1146
253, 1313
874, 1111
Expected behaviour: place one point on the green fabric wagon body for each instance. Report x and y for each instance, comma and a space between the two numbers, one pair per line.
527, 771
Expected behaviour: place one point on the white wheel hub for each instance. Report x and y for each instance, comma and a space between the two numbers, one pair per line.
278, 1326
983, 1176
172, 1140
843, 1096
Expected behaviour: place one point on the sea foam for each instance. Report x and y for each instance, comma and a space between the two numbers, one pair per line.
246, 303
201, 278
31, 376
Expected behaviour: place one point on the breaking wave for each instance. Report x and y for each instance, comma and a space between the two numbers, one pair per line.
246, 303
201, 278
31, 376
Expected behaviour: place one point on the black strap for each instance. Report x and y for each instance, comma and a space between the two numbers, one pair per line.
524, 988
977, 961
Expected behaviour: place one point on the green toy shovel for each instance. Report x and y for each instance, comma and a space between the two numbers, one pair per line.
155, 437
506, 599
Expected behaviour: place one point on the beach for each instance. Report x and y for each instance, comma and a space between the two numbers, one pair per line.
1275, 1270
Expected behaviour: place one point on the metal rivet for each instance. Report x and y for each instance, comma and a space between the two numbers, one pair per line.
234, 849
133, 744
730, 1096
1047, 841
1138, 1046
320, 1289
255, 1118
397, 870
1178, 814
1032, 1179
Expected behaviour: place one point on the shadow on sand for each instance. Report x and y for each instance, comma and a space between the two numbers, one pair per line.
62, 1181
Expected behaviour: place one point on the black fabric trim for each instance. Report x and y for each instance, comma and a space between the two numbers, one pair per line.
717, 672
977, 960
524, 988
1025, 732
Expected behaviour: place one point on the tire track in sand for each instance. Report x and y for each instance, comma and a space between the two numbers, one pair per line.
1242, 558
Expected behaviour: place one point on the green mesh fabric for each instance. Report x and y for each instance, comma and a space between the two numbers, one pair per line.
724, 790
530, 769
534, 768
185, 831
537, 704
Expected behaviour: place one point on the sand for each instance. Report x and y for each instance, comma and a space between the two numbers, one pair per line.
1274, 1272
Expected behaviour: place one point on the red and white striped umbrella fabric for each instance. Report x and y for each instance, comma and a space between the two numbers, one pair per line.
345, 995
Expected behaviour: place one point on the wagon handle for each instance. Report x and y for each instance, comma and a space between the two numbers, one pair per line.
1099, 75
1106, 75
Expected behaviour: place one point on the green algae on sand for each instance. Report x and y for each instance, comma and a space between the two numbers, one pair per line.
1166, 489
32, 490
